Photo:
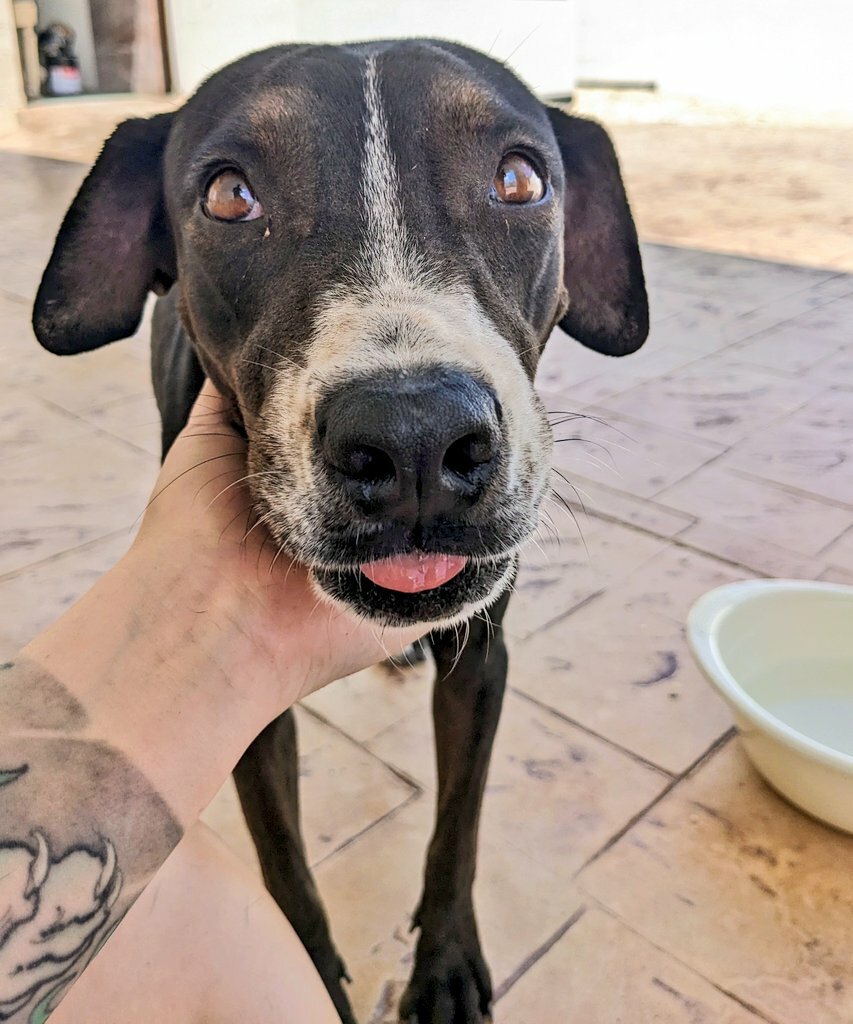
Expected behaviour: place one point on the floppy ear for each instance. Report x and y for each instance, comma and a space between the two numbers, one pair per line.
608, 307
113, 247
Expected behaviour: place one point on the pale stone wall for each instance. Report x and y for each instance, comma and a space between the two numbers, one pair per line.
11, 84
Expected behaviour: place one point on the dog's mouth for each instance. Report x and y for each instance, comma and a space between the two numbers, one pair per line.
418, 587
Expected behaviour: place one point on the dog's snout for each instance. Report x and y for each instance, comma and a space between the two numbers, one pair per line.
412, 446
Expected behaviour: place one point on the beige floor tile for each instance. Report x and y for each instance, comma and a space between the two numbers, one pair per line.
34, 597
744, 283
835, 371
135, 420
601, 971
840, 553
672, 581
740, 182
716, 399
72, 383
718, 497
638, 458
225, 816
651, 362
810, 451
558, 575
27, 423
345, 788
365, 704
344, 791
372, 887
88, 381
709, 324
620, 666
798, 345
8, 648
70, 494
564, 363
744, 889
600, 501
554, 792
833, 575
571, 377
751, 552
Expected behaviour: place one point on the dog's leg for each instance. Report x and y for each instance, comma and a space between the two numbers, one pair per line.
268, 783
450, 983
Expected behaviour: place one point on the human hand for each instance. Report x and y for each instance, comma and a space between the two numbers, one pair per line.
200, 534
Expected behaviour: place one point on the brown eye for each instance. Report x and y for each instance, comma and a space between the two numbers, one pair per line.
517, 181
229, 198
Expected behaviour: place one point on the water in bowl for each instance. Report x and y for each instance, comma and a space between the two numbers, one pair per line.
814, 697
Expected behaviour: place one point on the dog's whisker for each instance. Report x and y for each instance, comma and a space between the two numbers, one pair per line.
603, 445
575, 489
210, 480
254, 362
233, 520
198, 465
594, 460
574, 518
236, 483
258, 522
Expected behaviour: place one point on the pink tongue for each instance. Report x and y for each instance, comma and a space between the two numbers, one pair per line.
410, 574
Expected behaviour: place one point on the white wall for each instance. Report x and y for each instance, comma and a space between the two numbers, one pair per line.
754, 54
11, 82
205, 34
759, 54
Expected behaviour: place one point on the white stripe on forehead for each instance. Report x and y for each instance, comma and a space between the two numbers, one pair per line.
388, 249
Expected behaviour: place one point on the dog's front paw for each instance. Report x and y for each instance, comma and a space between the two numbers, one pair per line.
450, 983
333, 972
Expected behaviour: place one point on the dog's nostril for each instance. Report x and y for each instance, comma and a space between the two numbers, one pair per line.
368, 464
467, 453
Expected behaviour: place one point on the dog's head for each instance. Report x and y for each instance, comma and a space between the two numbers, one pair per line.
371, 244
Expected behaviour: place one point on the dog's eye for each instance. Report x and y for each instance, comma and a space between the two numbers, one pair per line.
229, 198
517, 181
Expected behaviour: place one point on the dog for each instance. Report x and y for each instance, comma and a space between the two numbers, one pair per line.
366, 247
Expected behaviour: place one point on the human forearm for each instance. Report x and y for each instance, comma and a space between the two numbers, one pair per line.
155, 657
108, 750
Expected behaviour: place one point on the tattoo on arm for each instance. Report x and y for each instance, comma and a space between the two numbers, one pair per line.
82, 833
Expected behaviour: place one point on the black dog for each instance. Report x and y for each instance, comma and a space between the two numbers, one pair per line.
369, 246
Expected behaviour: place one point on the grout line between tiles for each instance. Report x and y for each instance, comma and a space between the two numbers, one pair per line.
537, 954
557, 618
413, 783
596, 735
79, 418
15, 297
741, 1002
610, 912
93, 542
685, 544
791, 489
718, 744
847, 531
350, 840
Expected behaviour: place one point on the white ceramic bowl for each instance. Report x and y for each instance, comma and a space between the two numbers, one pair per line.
781, 653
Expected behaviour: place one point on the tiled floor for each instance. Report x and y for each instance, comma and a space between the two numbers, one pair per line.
633, 867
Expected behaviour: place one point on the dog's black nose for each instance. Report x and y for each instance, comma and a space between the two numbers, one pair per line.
414, 445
